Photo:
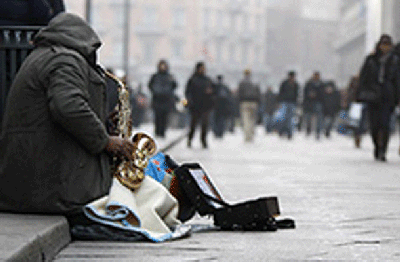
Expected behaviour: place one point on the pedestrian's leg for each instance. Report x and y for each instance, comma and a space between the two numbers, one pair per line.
218, 124
291, 107
193, 122
244, 113
253, 119
320, 118
157, 122
374, 126
307, 120
204, 128
164, 122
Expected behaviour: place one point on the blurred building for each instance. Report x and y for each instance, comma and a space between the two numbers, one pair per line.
228, 35
360, 25
300, 36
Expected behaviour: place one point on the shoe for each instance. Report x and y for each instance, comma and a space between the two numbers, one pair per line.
189, 143
290, 136
376, 153
204, 144
357, 141
381, 155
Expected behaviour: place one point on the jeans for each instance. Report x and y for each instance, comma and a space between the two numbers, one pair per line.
329, 120
287, 125
268, 122
318, 113
219, 122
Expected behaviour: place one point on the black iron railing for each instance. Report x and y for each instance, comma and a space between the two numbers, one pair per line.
15, 45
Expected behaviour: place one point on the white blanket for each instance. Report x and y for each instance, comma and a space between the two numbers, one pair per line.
150, 210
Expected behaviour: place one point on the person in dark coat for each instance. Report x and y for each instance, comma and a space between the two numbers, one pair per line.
288, 95
331, 102
200, 97
29, 12
270, 102
222, 109
162, 85
139, 106
249, 101
312, 104
379, 88
55, 151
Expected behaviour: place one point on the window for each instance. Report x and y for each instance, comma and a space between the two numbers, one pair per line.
118, 13
150, 16
178, 18
220, 18
148, 51
232, 53
245, 25
259, 25
177, 49
257, 55
219, 52
206, 19
245, 54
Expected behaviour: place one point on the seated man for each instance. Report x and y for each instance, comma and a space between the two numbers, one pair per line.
54, 149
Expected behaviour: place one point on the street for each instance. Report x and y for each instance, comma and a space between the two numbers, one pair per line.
346, 205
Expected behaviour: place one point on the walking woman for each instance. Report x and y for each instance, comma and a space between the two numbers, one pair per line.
379, 84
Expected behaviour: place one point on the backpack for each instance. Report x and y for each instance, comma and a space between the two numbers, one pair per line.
162, 85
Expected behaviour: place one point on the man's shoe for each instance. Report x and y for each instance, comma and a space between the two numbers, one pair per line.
357, 142
204, 143
189, 143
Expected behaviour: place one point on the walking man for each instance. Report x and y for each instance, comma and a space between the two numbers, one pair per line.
222, 106
288, 95
249, 99
270, 100
162, 85
199, 94
312, 105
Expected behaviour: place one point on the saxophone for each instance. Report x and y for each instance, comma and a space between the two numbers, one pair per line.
131, 173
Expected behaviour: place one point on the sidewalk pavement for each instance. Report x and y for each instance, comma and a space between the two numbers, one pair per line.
32, 237
346, 205
26, 237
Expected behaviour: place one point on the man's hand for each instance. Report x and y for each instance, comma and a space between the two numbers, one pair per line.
120, 147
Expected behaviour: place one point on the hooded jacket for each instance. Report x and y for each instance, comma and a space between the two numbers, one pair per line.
52, 156
163, 98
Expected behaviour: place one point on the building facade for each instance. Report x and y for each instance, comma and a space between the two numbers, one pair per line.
360, 25
300, 37
228, 35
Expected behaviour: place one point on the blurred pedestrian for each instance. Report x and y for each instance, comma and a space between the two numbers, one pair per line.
139, 106
331, 102
199, 94
162, 85
234, 105
288, 95
352, 91
222, 109
312, 104
379, 88
29, 12
270, 102
249, 99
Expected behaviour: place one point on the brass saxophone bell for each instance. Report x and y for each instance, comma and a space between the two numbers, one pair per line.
144, 144
129, 176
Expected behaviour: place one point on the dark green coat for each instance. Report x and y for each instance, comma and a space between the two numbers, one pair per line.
52, 157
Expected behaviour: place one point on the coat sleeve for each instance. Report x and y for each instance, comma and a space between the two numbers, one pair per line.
67, 95
150, 84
